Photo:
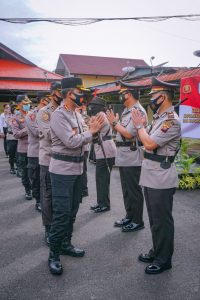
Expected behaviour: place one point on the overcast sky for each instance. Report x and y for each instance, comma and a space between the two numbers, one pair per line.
173, 41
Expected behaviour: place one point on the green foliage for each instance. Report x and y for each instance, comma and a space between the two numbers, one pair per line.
187, 182
188, 173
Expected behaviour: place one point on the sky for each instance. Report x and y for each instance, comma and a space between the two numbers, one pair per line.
172, 41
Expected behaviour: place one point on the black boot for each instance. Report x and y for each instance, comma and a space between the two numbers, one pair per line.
28, 195
68, 249
54, 263
38, 207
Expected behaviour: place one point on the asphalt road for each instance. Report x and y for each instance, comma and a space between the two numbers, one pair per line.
110, 269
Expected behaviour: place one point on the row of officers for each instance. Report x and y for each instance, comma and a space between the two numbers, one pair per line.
52, 151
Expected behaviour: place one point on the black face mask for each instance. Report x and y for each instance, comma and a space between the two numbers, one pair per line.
154, 105
79, 100
58, 99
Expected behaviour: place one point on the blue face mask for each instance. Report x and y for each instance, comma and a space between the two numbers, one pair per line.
17, 112
26, 107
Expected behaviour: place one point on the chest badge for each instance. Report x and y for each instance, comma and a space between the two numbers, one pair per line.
45, 116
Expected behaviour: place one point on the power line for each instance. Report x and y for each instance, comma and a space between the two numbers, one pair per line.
87, 21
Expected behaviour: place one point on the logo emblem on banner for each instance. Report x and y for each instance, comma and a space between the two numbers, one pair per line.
187, 89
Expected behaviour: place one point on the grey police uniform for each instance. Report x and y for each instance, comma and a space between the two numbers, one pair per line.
129, 160
43, 120
33, 153
107, 145
85, 157
66, 167
159, 178
11, 142
20, 132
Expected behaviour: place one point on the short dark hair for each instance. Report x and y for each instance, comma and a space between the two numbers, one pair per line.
170, 95
135, 94
65, 91
4, 106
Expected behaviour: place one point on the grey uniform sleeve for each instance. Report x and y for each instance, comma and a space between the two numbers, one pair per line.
32, 125
169, 130
43, 124
131, 129
64, 131
17, 132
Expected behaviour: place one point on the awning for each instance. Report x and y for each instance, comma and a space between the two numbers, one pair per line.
24, 85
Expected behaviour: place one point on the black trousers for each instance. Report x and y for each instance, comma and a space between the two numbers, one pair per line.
103, 181
66, 197
12, 152
132, 193
45, 195
84, 175
5, 130
34, 176
159, 206
23, 162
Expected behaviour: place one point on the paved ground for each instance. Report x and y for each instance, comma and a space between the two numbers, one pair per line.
110, 269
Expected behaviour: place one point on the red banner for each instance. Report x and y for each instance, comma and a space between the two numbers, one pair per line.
189, 111
190, 88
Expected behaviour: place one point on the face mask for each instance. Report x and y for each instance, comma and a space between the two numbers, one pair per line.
17, 112
26, 107
154, 105
58, 99
79, 99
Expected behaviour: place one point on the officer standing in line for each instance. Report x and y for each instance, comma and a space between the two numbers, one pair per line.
33, 147
66, 167
105, 151
129, 159
20, 132
43, 120
85, 118
159, 176
11, 140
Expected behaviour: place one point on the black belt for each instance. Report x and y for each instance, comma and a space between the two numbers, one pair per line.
104, 138
10, 132
124, 144
158, 158
63, 157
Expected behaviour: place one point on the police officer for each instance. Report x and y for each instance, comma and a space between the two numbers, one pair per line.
129, 159
20, 132
159, 175
11, 140
105, 152
66, 167
33, 147
43, 120
84, 120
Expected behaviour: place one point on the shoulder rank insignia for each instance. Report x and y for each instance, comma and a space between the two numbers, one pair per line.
166, 125
21, 120
45, 116
171, 115
32, 116
14, 122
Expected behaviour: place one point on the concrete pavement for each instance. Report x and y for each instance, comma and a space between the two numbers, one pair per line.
109, 270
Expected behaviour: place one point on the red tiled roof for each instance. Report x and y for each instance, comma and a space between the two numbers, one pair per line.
146, 82
95, 65
171, 77
24, 85
16, 69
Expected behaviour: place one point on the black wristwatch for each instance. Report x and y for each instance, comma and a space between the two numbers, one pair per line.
114, 123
